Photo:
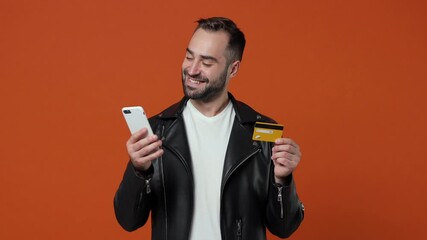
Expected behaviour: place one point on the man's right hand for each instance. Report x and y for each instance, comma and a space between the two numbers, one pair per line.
143, 149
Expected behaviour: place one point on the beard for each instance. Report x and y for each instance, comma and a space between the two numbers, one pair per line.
214, 87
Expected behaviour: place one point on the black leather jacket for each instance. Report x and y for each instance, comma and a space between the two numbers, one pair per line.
250, 200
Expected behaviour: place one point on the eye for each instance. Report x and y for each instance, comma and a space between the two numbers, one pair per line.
207, 64
189, 56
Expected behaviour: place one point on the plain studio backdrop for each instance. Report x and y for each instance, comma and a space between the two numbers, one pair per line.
346, 78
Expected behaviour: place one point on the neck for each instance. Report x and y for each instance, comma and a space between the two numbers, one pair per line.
213, 107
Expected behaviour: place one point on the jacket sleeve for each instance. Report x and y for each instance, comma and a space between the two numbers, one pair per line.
285, 211
132, 200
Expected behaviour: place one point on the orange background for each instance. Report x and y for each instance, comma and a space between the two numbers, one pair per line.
347, 78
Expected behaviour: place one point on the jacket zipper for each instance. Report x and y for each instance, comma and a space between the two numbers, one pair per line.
188, 168
280, 199
163, 184
226, 179
163, 180
147, 185
239, 229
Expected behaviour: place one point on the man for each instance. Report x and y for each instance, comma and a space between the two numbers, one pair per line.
201, 175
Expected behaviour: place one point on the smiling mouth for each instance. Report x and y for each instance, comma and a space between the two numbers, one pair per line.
195, 81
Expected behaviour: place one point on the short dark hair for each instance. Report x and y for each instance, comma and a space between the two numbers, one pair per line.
236, 43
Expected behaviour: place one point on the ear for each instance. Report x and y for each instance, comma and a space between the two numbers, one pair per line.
234, 68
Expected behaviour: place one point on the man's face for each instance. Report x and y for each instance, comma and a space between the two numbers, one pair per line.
205, 71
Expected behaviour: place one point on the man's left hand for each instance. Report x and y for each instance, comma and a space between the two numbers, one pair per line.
286, 156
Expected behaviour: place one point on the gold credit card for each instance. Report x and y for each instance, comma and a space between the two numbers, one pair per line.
267, 132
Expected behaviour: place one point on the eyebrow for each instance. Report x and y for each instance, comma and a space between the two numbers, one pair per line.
204, 57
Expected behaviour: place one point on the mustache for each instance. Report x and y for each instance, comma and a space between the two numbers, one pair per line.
197, 77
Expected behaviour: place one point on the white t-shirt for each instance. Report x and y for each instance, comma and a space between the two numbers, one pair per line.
208, 139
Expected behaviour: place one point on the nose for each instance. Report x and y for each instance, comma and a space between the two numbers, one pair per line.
193, 68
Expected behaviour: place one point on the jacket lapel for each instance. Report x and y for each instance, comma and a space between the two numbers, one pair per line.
176, 139
240, 146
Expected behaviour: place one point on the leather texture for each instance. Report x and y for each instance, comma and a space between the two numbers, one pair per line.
249, 196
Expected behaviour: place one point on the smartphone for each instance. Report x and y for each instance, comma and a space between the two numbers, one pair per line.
136, 119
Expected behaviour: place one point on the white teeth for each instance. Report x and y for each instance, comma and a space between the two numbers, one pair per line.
194, 81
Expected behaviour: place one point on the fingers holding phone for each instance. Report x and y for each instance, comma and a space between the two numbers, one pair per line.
143, 149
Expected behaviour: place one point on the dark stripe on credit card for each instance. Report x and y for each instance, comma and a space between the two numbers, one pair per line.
268, 126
